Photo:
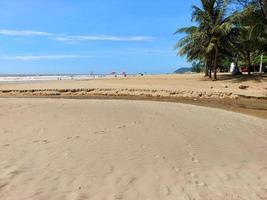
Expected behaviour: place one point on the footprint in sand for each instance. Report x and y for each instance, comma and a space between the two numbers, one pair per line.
194, 179
123, 126
110, 169
191, 174
193, 157
137, 122
158, 157
11, 172
45, 141
3, 185
99, 132
76, 137
166, 191
195, 160
218, 129
125, 180
228, 177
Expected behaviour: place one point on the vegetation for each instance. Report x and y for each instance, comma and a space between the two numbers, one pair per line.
197, 67
183, 70
221, 36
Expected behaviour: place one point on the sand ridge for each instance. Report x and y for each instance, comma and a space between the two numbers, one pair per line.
192, 85
120, 92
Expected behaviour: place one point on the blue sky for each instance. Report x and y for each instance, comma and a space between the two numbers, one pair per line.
83, 36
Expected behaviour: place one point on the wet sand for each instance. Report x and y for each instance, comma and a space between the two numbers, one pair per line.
192, 89
117, 149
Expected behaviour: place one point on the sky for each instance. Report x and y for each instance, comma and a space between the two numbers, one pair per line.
91, 36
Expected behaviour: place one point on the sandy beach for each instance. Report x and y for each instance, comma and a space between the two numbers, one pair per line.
133, 100
187, 85
71, 146
184, 88
116, 149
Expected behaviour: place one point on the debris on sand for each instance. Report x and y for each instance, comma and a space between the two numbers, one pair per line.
243, 87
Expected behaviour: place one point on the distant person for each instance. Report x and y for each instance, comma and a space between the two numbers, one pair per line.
114, 74
232, 67
236, 71
124, 74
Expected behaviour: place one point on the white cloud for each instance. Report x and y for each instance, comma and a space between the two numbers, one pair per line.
75, 38
23, 33
43, 57
83, 38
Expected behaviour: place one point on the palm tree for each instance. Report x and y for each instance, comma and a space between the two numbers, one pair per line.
262, 4
252, 33
193, 45
204, 42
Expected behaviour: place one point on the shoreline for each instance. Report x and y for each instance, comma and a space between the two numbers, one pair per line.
250, 105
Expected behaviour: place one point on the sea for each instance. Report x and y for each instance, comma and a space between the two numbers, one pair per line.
9, 78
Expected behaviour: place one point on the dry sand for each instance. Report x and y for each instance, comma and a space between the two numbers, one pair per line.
191, 85
187, 88
132, 150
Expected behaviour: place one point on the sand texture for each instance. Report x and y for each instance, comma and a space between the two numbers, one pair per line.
129, 150
175, 86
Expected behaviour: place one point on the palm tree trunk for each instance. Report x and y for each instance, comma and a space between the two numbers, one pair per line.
210, 72
206, 69
215, 62
236, 61
261, 63
211, 63
209, 68
248, 62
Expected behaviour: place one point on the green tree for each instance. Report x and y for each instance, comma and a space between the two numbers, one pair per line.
197, 67
211, 35
261, 4
251, 39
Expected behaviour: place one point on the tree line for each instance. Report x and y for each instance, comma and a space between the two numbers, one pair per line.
225, 31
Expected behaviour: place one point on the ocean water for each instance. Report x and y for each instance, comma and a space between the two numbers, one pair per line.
45, 77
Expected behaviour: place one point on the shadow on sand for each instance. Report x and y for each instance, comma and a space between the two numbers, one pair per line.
241, 78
